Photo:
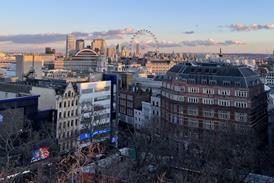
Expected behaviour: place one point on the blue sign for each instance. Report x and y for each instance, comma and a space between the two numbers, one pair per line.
92, 134
1, 118
114, 139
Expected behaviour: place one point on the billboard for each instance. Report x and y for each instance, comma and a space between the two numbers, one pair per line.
92, 134
40, 154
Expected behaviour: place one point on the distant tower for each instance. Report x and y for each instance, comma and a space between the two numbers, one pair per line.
137, 52
117, 49
80, 44
220, 54
99, 45
70, 45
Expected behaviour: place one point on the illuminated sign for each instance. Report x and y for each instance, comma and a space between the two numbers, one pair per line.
92, 134
40, 154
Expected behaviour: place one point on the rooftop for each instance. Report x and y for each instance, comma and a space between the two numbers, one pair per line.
202, 73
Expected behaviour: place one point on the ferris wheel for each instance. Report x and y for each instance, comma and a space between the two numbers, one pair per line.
136, 41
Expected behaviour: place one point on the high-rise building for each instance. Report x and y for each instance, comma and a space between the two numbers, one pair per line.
70, 45
209, 97
137, 52
111, 53
80, 44
99, 46
117, 49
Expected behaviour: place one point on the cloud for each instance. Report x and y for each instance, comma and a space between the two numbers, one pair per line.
192, 43
210, 42
168, 44
114, 34
188, 32
250, 27
55, 37
33, 38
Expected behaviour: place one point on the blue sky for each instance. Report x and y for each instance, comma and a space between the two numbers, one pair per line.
210, 20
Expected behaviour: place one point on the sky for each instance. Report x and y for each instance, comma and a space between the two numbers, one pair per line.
236, 26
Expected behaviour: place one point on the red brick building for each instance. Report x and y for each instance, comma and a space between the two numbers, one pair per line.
213, 97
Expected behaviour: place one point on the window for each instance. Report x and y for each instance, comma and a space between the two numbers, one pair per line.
193, 123
68, 113
208, 101
224, 92
76, 122
68, 124
208, 113
193, 90
191, 81
192, 111
239, 93
224, 115
241, 104
208, 124
65, 104
212, 82
65, 114
224, 102
71, 123
240, 117
68, 103
193, 99
204, 81
60, 125
72, 103
60, 105
60, 114
208, 91
226, 83
64, 124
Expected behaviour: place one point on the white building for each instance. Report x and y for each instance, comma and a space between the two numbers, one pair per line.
269, 79
95, 101
65, 99
150, 111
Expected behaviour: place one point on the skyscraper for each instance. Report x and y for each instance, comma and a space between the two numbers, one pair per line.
99, 45
70, 45
80, 44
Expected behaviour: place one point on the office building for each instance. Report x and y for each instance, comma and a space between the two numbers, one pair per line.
99, 46
80, 44
95, 102
70, 45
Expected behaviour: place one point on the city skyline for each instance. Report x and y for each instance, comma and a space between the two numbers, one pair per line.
184, 26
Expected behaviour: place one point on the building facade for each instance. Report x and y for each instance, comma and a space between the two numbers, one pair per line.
159, 66
95, 102
70, 45
86, 61
62, 97
213, 97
